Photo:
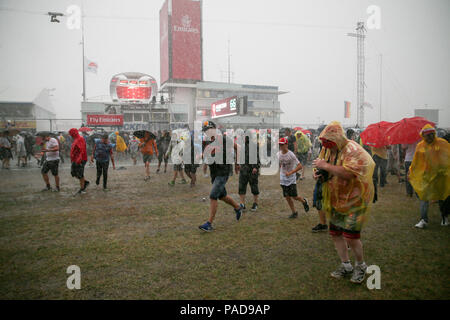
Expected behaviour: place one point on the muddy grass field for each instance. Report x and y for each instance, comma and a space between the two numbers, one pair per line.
140, 240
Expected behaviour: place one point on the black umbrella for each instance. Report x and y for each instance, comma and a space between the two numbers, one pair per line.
44, 134
141, 133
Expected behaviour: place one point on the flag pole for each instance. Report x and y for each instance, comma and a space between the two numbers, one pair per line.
82, 49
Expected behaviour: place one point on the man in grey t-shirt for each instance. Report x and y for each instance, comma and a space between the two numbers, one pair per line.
51, 163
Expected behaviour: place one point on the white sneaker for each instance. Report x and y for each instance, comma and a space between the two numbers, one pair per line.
444, 221
422, 224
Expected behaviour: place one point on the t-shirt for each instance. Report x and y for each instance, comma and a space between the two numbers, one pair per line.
102, 151
288, 162
225, 168
410, 150
4, 142
291, 142
51, 155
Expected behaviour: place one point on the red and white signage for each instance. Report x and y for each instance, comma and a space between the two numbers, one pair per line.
224, 108
104, 120
181, 40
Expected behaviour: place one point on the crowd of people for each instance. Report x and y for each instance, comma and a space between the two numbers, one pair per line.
347, 172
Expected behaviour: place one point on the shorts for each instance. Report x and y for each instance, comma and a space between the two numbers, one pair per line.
346, 225
133, 154
290, 190
218, 190
178, 167
248, 178
52, 166
162, 157
147, 157
191, 168
302, 157
77, 170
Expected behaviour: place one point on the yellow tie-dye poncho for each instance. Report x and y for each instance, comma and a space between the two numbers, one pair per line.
347, 197
429, 171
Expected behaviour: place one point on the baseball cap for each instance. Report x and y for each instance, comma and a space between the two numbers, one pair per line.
283, 140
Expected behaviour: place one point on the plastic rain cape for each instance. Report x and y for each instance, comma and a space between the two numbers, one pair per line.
303, 142
429, 171
120, 144
347, 196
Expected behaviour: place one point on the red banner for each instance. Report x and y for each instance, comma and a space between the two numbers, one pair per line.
225, 107
164, 42
104, 120
186, 40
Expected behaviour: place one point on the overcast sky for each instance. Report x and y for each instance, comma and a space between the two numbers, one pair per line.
299, 45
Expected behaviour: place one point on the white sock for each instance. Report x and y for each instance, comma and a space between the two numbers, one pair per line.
347, 265
360, 263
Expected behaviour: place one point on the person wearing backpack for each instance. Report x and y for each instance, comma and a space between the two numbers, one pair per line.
102, 152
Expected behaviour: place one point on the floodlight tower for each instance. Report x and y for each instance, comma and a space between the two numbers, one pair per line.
360, 36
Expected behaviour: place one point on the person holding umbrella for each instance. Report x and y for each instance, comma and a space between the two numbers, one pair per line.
148, 148
429, 174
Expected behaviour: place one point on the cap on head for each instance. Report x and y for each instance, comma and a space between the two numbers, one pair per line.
282, 141
208, 125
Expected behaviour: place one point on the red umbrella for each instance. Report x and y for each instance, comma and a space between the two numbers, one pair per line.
84, 129
306, 131
297, 129
375, 134
406, 130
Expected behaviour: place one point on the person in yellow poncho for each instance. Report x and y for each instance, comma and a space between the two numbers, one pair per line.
429, 174
303, 146
121, 146
347, 195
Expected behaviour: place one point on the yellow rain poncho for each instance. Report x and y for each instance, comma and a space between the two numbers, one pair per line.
348, 198
429, 173
303, 142
120, 143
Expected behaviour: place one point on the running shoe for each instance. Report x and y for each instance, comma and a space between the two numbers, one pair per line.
320, 228
306, 205
207, 227
183, 181
254, 207
341, 272
422, 224
359, 273
243, 207
171, 183
238, 212
444, 222
293, 215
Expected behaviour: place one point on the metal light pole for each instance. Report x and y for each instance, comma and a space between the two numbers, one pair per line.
360, 37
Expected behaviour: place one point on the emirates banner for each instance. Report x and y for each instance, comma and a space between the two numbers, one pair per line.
186, 40
104, 120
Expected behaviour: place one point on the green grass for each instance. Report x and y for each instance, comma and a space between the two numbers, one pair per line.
140, 240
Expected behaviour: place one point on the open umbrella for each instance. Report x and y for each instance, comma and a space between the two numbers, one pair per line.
297, 129
141, 133
406, 131
45, 134
305, 131
375, 134
84, 129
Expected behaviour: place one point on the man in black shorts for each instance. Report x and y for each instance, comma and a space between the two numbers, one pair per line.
248, 174
51, 162
191, 168
220, 171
